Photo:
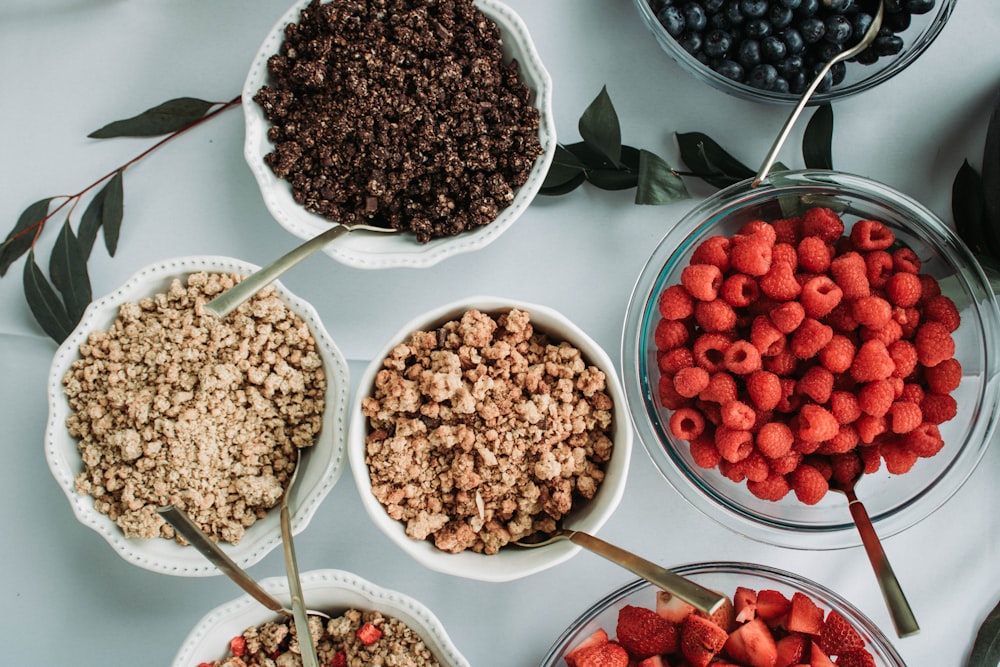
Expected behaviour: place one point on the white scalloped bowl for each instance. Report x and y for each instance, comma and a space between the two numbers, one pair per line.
511, 562
331, 591
324, 461
380, 251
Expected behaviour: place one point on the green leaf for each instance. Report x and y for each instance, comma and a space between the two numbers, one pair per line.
170, 116
658, 183
564, 188
610, 177
817, 140
600, 128
44, 303
90, 222
986, 647
112, 211
991, 169
709, 162
565, 168
68, 269
968, 210
19, 239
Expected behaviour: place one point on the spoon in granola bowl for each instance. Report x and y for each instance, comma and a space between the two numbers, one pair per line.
229, 300
703, 599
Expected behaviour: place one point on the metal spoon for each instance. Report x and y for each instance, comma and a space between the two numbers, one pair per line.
846, 54
694, 594
306, 645
229, 300
899, 609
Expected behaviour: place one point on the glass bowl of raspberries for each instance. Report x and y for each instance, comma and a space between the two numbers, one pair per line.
787, 337
775, 617
771, 50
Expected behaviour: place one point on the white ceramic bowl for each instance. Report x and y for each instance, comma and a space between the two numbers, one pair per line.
331, 591
511, 562
324, 461
377, 251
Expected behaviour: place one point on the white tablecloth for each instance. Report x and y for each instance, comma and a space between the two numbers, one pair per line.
70, 66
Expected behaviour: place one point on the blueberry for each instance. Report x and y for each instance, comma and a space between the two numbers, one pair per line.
672, 20
897, 22
694, 17
812, 30
807, 8
839, 71
793, 40
790, 4
657, 5
887, 45
838, 6
797, 82
733, 13
712, 6
893, 6
779, 16
757, 29
860, 22
763, 76
838, 29
753, 9
719, 21
780, 85
690, 42
717, 43
730, 70
827, 51
867, 57
790, 66
773, 49
826, 82
748, 53
919, 6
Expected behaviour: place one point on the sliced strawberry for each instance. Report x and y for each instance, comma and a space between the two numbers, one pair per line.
745, 604
752, 644
606, 655
598, 637
772, 606
817, 658
804, 616
654, 661
701, 639
792, 650
838, 636
855, 658
672, 608
724, 616
645, 633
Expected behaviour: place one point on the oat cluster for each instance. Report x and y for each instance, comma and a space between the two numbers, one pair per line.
400, 113
485, 431
172, 405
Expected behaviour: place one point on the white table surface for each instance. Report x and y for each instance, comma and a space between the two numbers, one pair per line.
70, 66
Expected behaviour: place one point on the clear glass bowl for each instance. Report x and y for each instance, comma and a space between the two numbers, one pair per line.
723, 577
894, 502
923, 29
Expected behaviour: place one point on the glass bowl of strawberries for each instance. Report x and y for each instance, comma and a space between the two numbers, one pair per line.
775, 617
786, 337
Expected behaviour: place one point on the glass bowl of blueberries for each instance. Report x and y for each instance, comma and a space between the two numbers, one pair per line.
771, 50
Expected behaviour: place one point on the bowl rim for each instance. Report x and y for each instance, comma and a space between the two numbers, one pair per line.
509, 564
374, 251
680, 238
743, 91
351, 586
167, 556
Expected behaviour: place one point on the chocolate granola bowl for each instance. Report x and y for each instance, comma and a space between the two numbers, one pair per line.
154, 402
431, 118
485, 421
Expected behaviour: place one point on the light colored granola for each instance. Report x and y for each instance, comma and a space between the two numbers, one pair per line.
485, 431
172, 405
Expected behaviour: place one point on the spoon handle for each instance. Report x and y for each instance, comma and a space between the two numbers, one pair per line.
899, 609
702, 598
183, 524
306, 645
229, 300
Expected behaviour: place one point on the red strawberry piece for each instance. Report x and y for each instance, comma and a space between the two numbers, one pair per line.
772, 605
672, 608
598, 637
791, 650
817, 658
607, 655
644, 633
745, 604
804, 616
838, 635
701, 639
654, 661
368, 634
339, 659
752, 644
724, 616
238, 646
855, 658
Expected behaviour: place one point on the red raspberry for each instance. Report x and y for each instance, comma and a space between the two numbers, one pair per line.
784, 364
739, 290
938, 408
783, 465
898, 458
813, 254
876, 397
774, 487
764, 389
816, 383
930, 287
670, 334
820, 295
751, 254
908, 319
774, 439
809, 484
687, 423
714, 316
844, 406
788, 316
669, 398
924, 441
675, 303
715, 251
841, 318
811, 337
934, 343
941, 309
871, 458
671, 361
738, 416
754, 467
703, 451
913, 393
844, 441
731, 471
846, 466
787, 230
805, 447
742, 358
785, 253
816, 423
713, 415
870, 427
906, 261
872, 362
871, 311
887, 335
761, 228
851, 274
734, 445
721, 388
871, 235
878, 268
710, 351
903, 289
766, 337
690, 381
779, 282
945, 377
904, 356
837, 355
904, 416
702, 281
822, 222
